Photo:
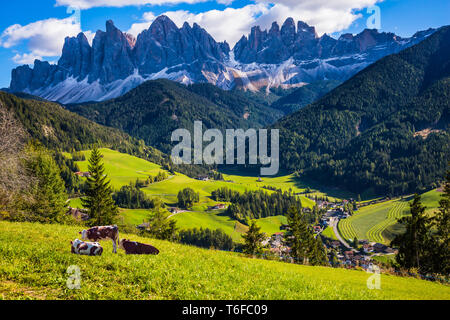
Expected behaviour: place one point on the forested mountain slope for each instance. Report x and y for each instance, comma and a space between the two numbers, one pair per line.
386, 130
155, 109
59, 129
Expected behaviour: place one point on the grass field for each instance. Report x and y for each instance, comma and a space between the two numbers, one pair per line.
329, 233
34, 259
123, 169
369, 222
378, 222
211, 219
431, 200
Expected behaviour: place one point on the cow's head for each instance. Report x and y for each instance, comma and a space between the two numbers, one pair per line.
83, 234
121, 242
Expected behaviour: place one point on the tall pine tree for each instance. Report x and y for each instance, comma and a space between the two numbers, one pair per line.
98, 200
160, 225
305, 249
441, 256
253, 239
414, 244
49, 196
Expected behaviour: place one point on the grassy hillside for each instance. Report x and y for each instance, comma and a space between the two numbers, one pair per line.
123, 169
34, 259
378, 222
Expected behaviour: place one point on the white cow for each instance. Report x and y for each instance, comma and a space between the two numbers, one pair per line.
86, 248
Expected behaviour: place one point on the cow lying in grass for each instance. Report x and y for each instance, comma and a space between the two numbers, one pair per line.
86, 248
133, 247
102, 233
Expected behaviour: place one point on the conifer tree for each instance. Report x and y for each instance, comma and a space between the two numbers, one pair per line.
441, 255
253, 239
414, 243
98, 200
319, 257
297, 236
160, 225
305, 249
48, 192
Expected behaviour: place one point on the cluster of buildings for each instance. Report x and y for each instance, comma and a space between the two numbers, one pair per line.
83, 174
339, 253
277, 245
361, 257
219, 206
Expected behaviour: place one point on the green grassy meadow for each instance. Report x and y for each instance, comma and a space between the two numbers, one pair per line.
374, 222
34, 259
369, 222
378, 222
123, 169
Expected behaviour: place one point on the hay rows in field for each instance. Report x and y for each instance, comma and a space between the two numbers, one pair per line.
395, 213
345, 228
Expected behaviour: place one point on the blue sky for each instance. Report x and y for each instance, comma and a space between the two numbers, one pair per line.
36, 29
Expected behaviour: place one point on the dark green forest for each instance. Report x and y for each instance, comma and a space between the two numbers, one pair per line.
155, 109
258, 204
367, 134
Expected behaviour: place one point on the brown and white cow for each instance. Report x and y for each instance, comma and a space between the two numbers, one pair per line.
133, 247
86, 248
102, 233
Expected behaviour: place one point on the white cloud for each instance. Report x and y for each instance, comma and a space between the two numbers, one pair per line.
90, 36
225, 2
233, 22
327, 16
230, 24
45, 38
87, 4
26, 58
137, 28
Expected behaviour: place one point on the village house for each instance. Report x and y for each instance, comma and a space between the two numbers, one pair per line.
175, 210
335, 244
317, 229
143, 226
307, 210
367, 248
276, 240
265, 242
379, 248
78, 214
348, 254
219, 206
83, 174
203, 178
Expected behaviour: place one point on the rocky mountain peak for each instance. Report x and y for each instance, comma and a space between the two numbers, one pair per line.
116, 62
306, 32
275, 29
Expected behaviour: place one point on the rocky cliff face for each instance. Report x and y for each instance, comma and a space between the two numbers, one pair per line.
116, 62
